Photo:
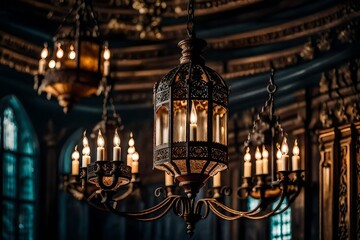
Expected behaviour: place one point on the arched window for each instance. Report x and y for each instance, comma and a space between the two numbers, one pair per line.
18, 154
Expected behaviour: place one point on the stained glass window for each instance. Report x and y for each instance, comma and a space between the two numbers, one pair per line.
280, 225
17, 155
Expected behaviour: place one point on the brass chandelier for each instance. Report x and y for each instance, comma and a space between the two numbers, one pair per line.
190, 146
80, 61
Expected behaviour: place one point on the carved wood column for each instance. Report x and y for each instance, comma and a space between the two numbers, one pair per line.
339, 182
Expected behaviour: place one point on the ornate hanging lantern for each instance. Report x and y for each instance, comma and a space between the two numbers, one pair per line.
79, 61
191, 109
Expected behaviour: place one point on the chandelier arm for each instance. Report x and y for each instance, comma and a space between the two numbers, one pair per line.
91, 201
125, 194
202, 203
291, 199
147, 214
214, 209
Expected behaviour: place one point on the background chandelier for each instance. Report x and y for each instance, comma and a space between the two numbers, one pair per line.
190, 127
104, 131
79, 61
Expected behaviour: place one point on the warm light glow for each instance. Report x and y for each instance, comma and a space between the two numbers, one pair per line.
52, 64
75, 155
296, 150
72, 53
106, 53
284, 147
131, 140
247, 156
193, 115
135, 156
44, 53
257, 154
265, 153
59, 52
116, 139
85, 140
278, 153
86, 151
100, 140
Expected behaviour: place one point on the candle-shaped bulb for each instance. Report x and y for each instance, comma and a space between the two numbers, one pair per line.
72, 53
106, 53
52, 63
193, 115
100, 139
278, 153
135, 156
247, 156
296, 150
257, 154
265, 153
284, 147
86, 151
85, 140
131, 140
75, 155
116, 139
59, 52
44, 52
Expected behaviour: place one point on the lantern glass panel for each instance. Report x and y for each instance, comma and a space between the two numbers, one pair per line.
179, 121
219, 124
162, 126
201, 107
89, 56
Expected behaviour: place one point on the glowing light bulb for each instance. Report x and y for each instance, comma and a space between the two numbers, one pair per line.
116, 139
106, 53
296, 150
247, 156
100, 139
265, 153
44, 53
85, 140
59, 52
75, 155
135, 156
52, 63
257, 154
193, 115
131, 140
72, 53
284, 147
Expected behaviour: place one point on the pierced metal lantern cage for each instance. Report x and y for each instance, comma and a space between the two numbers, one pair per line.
190, 125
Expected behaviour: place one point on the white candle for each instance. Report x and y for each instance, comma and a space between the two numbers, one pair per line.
42, 64
217, 180
265, 156
258, 163
116, 148
85, 151
193, 122
181, 134
100, 151
131, 150
75, 162
247, 163
279, 162
217, 128
285, 156
169, 180
106, 68
135, 163
296, 157
75, 167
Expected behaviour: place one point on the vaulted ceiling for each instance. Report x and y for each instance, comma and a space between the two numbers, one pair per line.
245, 37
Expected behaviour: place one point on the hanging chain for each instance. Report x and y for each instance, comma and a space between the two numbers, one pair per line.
191, 19
269, 105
